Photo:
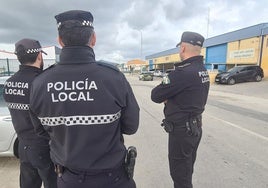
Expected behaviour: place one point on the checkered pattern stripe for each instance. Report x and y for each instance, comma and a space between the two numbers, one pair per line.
31, 51
87, 23
83, 23
18, 106
80, 120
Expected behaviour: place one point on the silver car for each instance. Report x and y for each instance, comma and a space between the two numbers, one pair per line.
8, 137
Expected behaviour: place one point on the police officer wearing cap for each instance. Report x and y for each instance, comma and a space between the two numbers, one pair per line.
85, 106
35, 163
184, 93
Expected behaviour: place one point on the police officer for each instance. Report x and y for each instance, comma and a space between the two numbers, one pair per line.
85, 106
184, 93
35, 163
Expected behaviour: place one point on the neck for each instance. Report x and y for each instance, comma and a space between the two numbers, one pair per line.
33, 65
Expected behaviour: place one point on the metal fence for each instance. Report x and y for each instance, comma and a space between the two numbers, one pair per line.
10, 66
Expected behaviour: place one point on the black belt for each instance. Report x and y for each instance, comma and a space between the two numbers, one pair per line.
169, 126
197, 118
60, 169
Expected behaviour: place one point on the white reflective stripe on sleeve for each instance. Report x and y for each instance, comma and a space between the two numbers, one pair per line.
18, 106
80, 120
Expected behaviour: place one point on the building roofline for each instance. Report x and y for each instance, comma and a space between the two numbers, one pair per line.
244, 33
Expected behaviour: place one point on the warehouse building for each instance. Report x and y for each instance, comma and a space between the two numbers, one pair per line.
241, 47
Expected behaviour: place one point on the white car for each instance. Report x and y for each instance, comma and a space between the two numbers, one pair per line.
8, 137
158, 73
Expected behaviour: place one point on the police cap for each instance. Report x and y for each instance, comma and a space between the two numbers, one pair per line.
192, 38
81, 18
28, 46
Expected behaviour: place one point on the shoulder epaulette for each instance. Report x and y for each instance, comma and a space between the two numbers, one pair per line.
105, 64
184, 65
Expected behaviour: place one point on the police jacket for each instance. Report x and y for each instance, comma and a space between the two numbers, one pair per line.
85, 107
16, 94
184, 91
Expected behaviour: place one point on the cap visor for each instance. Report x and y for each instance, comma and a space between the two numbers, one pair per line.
43, 52
178, 44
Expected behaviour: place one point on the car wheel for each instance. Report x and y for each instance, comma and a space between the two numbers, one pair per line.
258, 78
16, 148
231, 81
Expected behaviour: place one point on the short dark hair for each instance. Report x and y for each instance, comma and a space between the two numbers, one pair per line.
25, 58
75, 36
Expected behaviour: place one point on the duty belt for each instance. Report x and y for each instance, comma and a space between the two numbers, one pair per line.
189, 124
197, 118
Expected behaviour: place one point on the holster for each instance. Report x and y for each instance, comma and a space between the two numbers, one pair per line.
130, 161
193, 125
168, 126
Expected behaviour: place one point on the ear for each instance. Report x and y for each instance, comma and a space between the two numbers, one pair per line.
60, 42
92, 41
39, 57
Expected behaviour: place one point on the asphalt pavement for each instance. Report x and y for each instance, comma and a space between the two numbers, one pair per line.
233, 150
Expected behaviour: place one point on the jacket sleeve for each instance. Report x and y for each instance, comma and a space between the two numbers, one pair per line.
170, 86
38, 127
130, 113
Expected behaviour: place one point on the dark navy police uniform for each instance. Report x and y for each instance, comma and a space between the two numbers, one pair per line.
35, 163
186, 90
85, 107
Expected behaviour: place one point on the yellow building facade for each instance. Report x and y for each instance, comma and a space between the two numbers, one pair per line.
248, 46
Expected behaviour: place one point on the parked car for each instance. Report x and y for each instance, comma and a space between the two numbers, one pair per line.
158, 73
8, 137
168, 71
240, 74
146, 76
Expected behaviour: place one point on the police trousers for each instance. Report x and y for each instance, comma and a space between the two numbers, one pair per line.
109, 179
182, 148
36, 166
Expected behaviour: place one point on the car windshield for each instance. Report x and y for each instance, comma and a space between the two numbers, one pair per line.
235, 69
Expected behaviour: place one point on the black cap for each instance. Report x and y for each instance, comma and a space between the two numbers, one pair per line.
28, 46
84, 18
192, 38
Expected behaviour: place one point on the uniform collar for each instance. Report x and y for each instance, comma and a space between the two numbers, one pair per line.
77, 54
30, 68
193, 59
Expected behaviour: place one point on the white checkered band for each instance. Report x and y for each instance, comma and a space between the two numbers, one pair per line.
18, 106
31, 51
84, 23
87, 23
80, 120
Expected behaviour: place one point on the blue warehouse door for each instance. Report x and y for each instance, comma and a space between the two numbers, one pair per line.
151, 64
216, 55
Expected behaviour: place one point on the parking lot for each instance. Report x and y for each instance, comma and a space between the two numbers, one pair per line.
233, 151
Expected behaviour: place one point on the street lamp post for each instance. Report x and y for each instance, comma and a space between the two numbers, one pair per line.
141, 43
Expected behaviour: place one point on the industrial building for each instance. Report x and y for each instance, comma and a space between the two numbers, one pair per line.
241, 47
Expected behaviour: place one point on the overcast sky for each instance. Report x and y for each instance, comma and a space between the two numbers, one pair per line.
119, 24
